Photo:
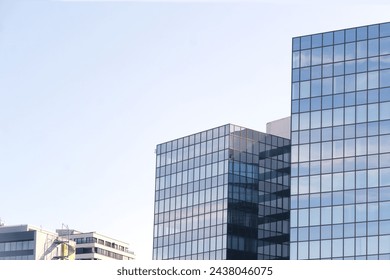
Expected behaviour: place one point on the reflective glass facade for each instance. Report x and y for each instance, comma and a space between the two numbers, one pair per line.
222, 194
340, 154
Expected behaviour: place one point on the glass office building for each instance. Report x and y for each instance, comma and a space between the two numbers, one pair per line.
340, 154
222, 194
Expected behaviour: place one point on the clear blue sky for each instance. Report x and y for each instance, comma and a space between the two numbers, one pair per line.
88, 88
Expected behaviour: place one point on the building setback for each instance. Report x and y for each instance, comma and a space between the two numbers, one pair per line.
222, 194
340, 170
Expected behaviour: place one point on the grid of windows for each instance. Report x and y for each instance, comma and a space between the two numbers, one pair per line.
258, 206
191, 197
90, 250
83, 240
207, 192
340, 154
17, 250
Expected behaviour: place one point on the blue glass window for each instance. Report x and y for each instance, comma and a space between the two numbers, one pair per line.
384, 94
327, 55
306, 42
304, 105
314, 249
328, 38
327, 70
326, 216
337, 200
338, 68
315, 200
349, 230
373, 47
360, 246
350, 67
373, 63
303, 250
362, 33
349, 198
315, 216
384, 244
296, 42
361, 97
305, 73
372, 145
303, 219
338, 100
338, 84
296, 58
384, 62
316, 72
349, 247
361, 113
295, 106
350, 35
350, 51
295, 75
339, 37
295, 91
327, 102
384, 210
361, 65
384, 78
385, 45
316, 87
316, 56
385, 29
349, 114
304, 89
372, 227
316, 103
338, 132
350, 84
337, 248
384, 180
384, 110
339, 53
315, 151
361, 49
384, 227
326, 248
305, 58
373, 79
327, 86
373, 182
373, 31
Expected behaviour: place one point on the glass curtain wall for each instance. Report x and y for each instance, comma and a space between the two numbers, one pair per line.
217, 193
340, 172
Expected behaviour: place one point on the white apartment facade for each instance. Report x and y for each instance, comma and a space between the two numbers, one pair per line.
95, 246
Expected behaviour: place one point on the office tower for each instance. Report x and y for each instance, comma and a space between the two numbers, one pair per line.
26, 242
95, 246
340, 168
222, 194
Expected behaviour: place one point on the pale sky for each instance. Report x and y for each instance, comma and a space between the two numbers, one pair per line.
89, 88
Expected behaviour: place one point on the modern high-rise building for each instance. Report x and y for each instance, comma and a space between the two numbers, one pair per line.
223, 194
340, 137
